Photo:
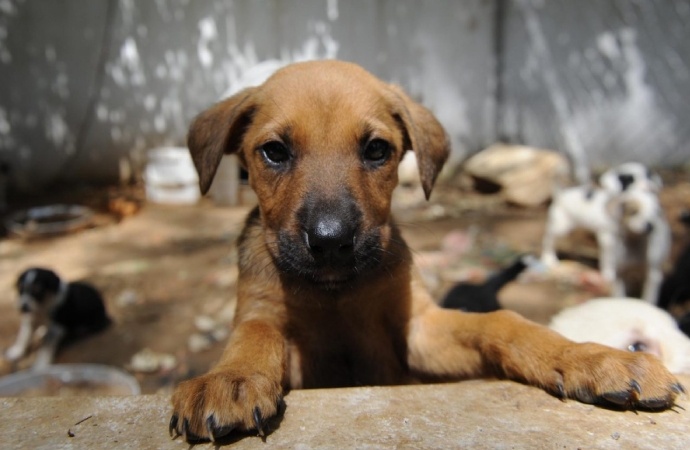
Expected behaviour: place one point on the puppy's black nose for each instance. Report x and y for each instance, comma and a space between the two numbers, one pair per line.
24, 308
331, 240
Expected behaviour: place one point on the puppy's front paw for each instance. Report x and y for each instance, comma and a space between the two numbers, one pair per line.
211, 406
600, 375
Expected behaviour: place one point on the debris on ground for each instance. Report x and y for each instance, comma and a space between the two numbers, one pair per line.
149, 361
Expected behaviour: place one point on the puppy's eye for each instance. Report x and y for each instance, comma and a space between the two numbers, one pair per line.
376, 152
275, 153
637, 347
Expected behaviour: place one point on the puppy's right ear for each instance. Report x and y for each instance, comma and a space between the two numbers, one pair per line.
217, 131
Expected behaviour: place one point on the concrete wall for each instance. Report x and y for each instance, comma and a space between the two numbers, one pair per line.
605, 82
90, 86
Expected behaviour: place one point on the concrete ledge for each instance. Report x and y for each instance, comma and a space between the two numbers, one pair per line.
473, 414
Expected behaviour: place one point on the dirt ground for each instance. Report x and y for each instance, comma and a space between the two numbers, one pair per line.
168, 273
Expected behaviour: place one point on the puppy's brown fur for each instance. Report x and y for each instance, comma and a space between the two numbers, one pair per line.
327, 294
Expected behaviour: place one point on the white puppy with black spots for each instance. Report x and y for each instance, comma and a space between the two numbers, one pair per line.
66, 309
627, 220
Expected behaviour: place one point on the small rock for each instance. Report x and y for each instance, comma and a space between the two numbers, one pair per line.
199, 342
436, 211
458, 242
148, 361
126, 298
219, 334
204, 323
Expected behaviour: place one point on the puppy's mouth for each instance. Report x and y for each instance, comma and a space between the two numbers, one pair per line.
328, 268
331, 281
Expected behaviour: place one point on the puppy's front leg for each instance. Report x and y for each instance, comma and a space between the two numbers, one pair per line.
610, 251
49, 345
453, 344
243, 390
652, 284
21, 345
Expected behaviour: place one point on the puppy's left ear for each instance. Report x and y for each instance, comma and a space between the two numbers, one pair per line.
423, 134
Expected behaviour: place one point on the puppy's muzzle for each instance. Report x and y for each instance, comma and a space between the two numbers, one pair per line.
27, 304
331, 246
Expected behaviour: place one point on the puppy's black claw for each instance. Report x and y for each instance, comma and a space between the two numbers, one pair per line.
678, 388
620, 399
656, 404
210, 425
172, 427
560, 392
188, 435
215, 431
259, 421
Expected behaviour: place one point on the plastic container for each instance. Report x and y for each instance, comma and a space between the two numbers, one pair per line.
170, 176
225, 188
65, 380
49, 220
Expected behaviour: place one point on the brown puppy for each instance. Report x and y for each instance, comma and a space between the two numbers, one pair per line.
327, 294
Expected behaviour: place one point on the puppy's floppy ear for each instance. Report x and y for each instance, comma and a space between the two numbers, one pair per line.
423, 134
219, 130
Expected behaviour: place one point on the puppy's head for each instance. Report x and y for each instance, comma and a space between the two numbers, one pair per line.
639, 211
630, 176
321, 142
36, 288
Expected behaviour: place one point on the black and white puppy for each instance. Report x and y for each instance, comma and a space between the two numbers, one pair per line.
630, 228
67, 309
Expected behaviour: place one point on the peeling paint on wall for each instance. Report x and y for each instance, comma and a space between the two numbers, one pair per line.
332, 10
127, 69
5, 126
633, 116
8, 9
616, 80
448, 104
207, 33
540, 56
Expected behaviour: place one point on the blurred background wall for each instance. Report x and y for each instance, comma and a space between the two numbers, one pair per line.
87, 87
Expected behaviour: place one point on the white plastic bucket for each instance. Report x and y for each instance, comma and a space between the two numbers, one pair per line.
170, 176
225, 189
